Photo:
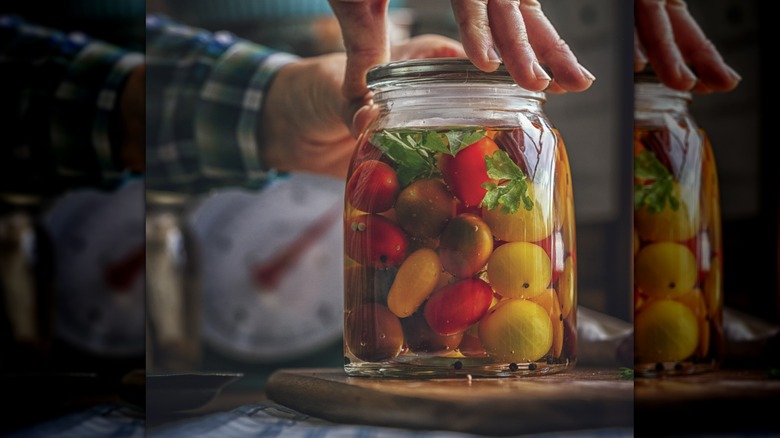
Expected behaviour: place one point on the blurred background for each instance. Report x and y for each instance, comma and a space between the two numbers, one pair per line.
740, 127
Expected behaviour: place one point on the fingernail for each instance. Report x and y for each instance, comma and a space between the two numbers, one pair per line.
492, 56
688, 75
540, 73
734, 75
587, 74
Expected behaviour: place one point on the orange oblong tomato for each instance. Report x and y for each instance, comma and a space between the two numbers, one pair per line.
465, 172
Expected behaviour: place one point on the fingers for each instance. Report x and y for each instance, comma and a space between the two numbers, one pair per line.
363, 117
655, 32
428, 46
475, 34
364, 28
552, 50
525, 39
512, 40
640, 57
712, 71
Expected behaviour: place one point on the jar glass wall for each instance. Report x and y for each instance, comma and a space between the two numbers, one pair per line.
459, 229
678, 257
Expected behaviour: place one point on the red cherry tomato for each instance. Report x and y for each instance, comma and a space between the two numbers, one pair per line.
466, 171
553, 245
374, 240
455, 307
701, 247
373, 187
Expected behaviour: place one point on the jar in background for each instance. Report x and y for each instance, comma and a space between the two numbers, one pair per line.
459, 229
172, 293
678, 257
26, 293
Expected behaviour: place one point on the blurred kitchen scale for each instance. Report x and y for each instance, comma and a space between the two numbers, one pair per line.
271, 268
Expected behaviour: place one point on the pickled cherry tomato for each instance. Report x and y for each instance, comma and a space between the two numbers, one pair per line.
465, 246
455, 307
422, 339
416, 279
465, 172
424, 207
517, 330
374, 333
554, 246
374, 240
519, 269
372, 187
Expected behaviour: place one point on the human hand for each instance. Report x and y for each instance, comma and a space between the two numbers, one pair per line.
525, 40
307, 122
518, 29
302, 125
671, 41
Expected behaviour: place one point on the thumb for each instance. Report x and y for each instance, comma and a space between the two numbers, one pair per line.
364, 29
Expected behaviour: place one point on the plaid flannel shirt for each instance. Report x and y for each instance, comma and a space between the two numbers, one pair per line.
59, 92
204, 95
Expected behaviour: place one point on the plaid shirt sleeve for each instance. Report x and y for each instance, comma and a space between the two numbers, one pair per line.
58, 94
204, 95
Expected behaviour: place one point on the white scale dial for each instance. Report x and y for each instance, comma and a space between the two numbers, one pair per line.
99, 240
271, 268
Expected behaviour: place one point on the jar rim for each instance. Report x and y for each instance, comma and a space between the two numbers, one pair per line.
444, 68
661, 90
647, 79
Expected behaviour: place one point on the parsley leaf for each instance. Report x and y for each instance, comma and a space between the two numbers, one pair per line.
460, 139
659, 190
626, 373
512, 189
415, 151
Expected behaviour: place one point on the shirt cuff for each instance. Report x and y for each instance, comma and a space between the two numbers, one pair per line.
229, 111
82, 111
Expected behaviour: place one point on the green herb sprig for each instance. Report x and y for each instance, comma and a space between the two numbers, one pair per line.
658, 190
412, 151
512, 189
415, 154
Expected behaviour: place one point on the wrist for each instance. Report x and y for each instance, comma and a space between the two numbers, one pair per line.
130, 121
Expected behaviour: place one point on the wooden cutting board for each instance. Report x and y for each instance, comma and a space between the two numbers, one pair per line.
581, 399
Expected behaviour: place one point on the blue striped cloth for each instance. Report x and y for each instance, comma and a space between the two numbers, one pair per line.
101, 421
268, 419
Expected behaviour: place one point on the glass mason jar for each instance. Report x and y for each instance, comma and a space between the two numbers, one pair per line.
459, 229
26, 292
678, 257
172, 293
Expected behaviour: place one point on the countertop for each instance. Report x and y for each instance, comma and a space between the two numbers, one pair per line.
586, 401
